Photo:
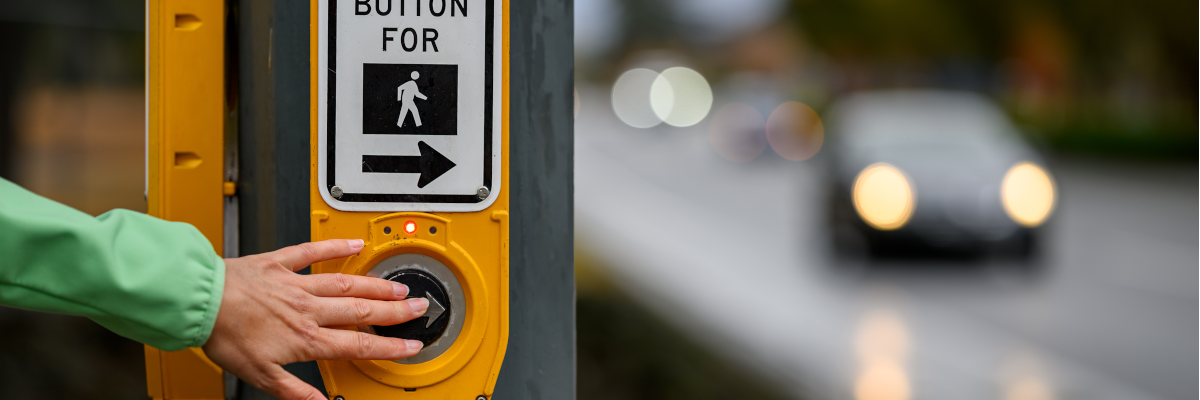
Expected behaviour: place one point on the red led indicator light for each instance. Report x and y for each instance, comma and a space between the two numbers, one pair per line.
410, 227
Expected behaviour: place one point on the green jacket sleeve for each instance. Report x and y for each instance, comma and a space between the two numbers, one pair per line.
153, 281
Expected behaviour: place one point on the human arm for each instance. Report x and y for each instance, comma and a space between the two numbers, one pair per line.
150, 280
161, 283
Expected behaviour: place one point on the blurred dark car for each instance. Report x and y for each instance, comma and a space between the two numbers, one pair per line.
933, 171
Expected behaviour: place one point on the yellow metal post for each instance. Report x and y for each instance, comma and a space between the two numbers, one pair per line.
185, 87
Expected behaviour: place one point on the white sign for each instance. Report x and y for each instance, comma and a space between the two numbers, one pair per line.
408, 104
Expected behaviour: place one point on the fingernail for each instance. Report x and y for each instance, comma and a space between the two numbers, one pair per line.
415, 345
418, 305
356, 244
400, 290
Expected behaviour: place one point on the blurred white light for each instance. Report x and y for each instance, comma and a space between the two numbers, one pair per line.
662, 97
736, 132
1028, 194
681, 97
631, 98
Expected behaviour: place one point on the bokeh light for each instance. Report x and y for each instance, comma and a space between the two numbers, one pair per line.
882, 380
795, 131
1028, 388
1024, 377
681, 97
883, 344
736, 132
1028, 194
631, 98
883, 197
882, 335
662, 97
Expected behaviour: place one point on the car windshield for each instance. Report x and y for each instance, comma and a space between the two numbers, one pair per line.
938, 122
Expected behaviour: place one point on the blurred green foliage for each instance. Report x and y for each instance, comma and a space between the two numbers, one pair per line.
944, 28
1107, 76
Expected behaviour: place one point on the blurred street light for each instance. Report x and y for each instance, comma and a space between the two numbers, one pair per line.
681, 97
631, 98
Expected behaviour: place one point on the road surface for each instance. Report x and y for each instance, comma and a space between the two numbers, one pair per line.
738, 255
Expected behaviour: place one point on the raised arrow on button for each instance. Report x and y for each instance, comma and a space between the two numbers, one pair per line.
434, 311
430, 164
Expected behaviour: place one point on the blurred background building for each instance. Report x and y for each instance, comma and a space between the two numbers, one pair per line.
707, 152
72, 128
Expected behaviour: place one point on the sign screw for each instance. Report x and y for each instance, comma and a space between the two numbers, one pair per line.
336, 192
339, 398
483, 192
481, 397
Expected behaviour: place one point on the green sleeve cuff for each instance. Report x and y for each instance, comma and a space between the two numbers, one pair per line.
214, 303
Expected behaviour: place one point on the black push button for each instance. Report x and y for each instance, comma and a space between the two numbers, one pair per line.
433, 324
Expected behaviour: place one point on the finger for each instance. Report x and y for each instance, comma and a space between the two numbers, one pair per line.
297, 257
352, 311
342, 285
285, 386
337, 344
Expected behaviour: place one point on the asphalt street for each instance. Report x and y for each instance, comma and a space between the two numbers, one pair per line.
738, 255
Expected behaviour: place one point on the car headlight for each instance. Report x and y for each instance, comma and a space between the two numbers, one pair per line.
1028, 194
883, 197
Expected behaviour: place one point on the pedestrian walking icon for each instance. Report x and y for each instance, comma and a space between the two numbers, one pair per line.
410, 99
405, 94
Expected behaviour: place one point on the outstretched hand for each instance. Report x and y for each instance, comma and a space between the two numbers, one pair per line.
270, 316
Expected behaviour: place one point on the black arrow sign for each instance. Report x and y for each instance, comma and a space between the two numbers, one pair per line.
430, 164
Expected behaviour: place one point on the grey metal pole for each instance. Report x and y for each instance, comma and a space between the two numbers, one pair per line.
540, 362
272, 135
273, 155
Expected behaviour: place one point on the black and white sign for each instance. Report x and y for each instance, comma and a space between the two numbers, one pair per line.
408, 104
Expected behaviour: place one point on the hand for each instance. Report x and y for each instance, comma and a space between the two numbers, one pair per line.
270, 316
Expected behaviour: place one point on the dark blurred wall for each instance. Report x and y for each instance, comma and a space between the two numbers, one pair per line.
71, 129
71, 118
13, 45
